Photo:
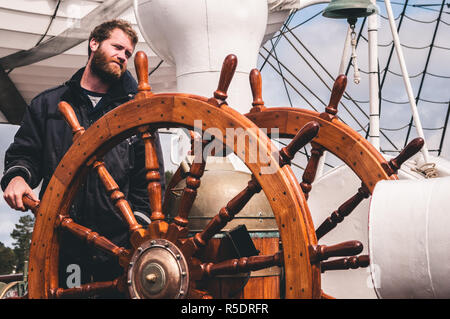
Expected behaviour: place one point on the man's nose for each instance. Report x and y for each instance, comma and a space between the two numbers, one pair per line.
122, 57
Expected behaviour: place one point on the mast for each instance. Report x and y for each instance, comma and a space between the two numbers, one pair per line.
374, 126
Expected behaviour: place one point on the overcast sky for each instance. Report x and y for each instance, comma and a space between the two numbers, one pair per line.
325, 39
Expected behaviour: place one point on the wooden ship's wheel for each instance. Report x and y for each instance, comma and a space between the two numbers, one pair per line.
161, 260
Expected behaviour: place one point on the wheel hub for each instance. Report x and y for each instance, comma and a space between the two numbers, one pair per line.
158, 269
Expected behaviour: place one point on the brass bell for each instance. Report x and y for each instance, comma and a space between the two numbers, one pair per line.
349, 9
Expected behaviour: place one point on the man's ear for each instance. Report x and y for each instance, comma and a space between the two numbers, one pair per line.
94, 44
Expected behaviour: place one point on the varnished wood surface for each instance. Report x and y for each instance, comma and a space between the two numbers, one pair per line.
153, 177
68, 113
226, 75
163, 110
311, 169
409, 151
141, 67
266, 286
334, 136
256, 87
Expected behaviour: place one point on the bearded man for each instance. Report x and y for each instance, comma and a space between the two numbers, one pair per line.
44, 137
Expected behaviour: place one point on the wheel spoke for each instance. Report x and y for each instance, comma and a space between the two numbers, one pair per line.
336, 94
324, 295
343, 211
153, 177
409, 151
138, 233
69, 115
256, 86
322, 252
352, 262
226, 75
303, 137
87, 290
117, 197
244, 264
226, 213
311, 168
94, 239
141, 67
198, 294
180, 222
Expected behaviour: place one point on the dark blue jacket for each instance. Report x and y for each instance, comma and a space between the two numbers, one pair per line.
44, 137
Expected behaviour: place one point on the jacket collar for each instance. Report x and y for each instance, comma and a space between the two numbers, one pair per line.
121, 89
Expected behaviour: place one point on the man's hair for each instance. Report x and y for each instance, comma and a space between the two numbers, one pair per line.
103, 31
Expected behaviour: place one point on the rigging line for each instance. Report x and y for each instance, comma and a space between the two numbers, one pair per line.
384, 135
285, 24
292, 86
46, 31
415, 6
302, 23
439, 76
434, 102
383, 45
420, 99
315, 72
420, 73
300, 81
397, 151
420, 21
408, 46
415, 48
290, 72
278, 36
445, 129
426, 67
281, 72
441, 47
361, 101
50, 23
400, 75
405, 126
290, 102
304, 59
430, 5
346, 95
156, 67
365, 127
386, 18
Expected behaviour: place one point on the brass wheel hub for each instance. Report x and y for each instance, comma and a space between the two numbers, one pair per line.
158, 269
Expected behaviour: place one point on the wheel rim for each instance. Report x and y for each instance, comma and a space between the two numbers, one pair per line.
302, 277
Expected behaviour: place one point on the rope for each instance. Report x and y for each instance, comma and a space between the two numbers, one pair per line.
420, 21
407, 125
384, 45
420, 73
427, 169
420, 99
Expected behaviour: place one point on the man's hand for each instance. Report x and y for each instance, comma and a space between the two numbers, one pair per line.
14, 192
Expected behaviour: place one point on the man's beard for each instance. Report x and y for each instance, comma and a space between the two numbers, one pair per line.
102, 67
